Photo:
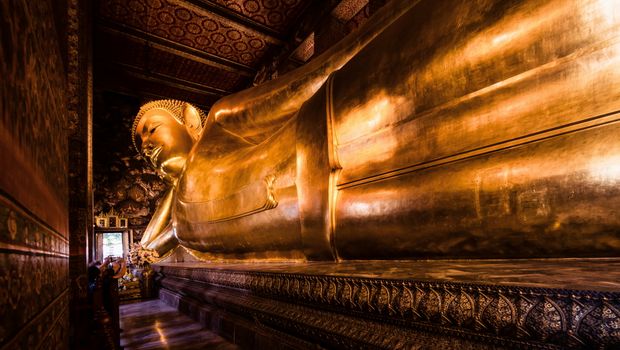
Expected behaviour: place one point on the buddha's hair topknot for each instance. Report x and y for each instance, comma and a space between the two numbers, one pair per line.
175, 107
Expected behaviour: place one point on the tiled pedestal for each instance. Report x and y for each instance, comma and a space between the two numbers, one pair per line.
563, 303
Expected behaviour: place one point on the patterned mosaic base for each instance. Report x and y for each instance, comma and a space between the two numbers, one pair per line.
299, 326
494, 314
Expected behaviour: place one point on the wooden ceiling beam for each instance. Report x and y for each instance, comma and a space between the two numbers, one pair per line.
170, 81
176, 48
228, 14
146, 95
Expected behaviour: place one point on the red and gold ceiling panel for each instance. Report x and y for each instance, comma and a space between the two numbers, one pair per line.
137, 54
152, 87
279, 15
192, 26
197, 50
173, 65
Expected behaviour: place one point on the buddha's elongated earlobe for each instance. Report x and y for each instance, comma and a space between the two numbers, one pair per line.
193, 121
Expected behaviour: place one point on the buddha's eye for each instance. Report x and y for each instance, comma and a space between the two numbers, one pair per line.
153, 129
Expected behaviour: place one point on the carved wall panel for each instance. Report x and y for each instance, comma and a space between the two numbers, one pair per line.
33, 114
123, 181
33, 182
48, 330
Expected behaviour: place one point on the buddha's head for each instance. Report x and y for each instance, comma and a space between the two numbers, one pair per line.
164, 132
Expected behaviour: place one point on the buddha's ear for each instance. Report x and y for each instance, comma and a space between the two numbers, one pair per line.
192, 121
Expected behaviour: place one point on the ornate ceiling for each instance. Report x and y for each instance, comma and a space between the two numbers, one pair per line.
197, 51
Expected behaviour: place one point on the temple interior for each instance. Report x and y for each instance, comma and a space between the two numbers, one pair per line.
298, 174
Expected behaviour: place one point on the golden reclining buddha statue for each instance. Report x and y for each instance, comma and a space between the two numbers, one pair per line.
458, 129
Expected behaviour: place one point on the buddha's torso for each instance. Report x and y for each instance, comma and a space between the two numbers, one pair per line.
240, 200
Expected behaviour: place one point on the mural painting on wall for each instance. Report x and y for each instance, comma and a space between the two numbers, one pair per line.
123, 182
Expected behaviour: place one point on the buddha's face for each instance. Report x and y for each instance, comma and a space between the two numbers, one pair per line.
165, 142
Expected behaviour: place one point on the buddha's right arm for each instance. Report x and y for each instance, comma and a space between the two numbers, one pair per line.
160, 220
256, 113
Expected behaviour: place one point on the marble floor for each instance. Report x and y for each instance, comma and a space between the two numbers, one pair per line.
154, 325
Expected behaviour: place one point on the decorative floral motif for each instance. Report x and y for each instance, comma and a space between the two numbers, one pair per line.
306, 288
601, 326
193, 27
498, 314
461, 309
12, 225
317, 293
272, 13
405, 303
383, 298
545, 320
294, 288
431, 305
346, 294
331, 292
363, 297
